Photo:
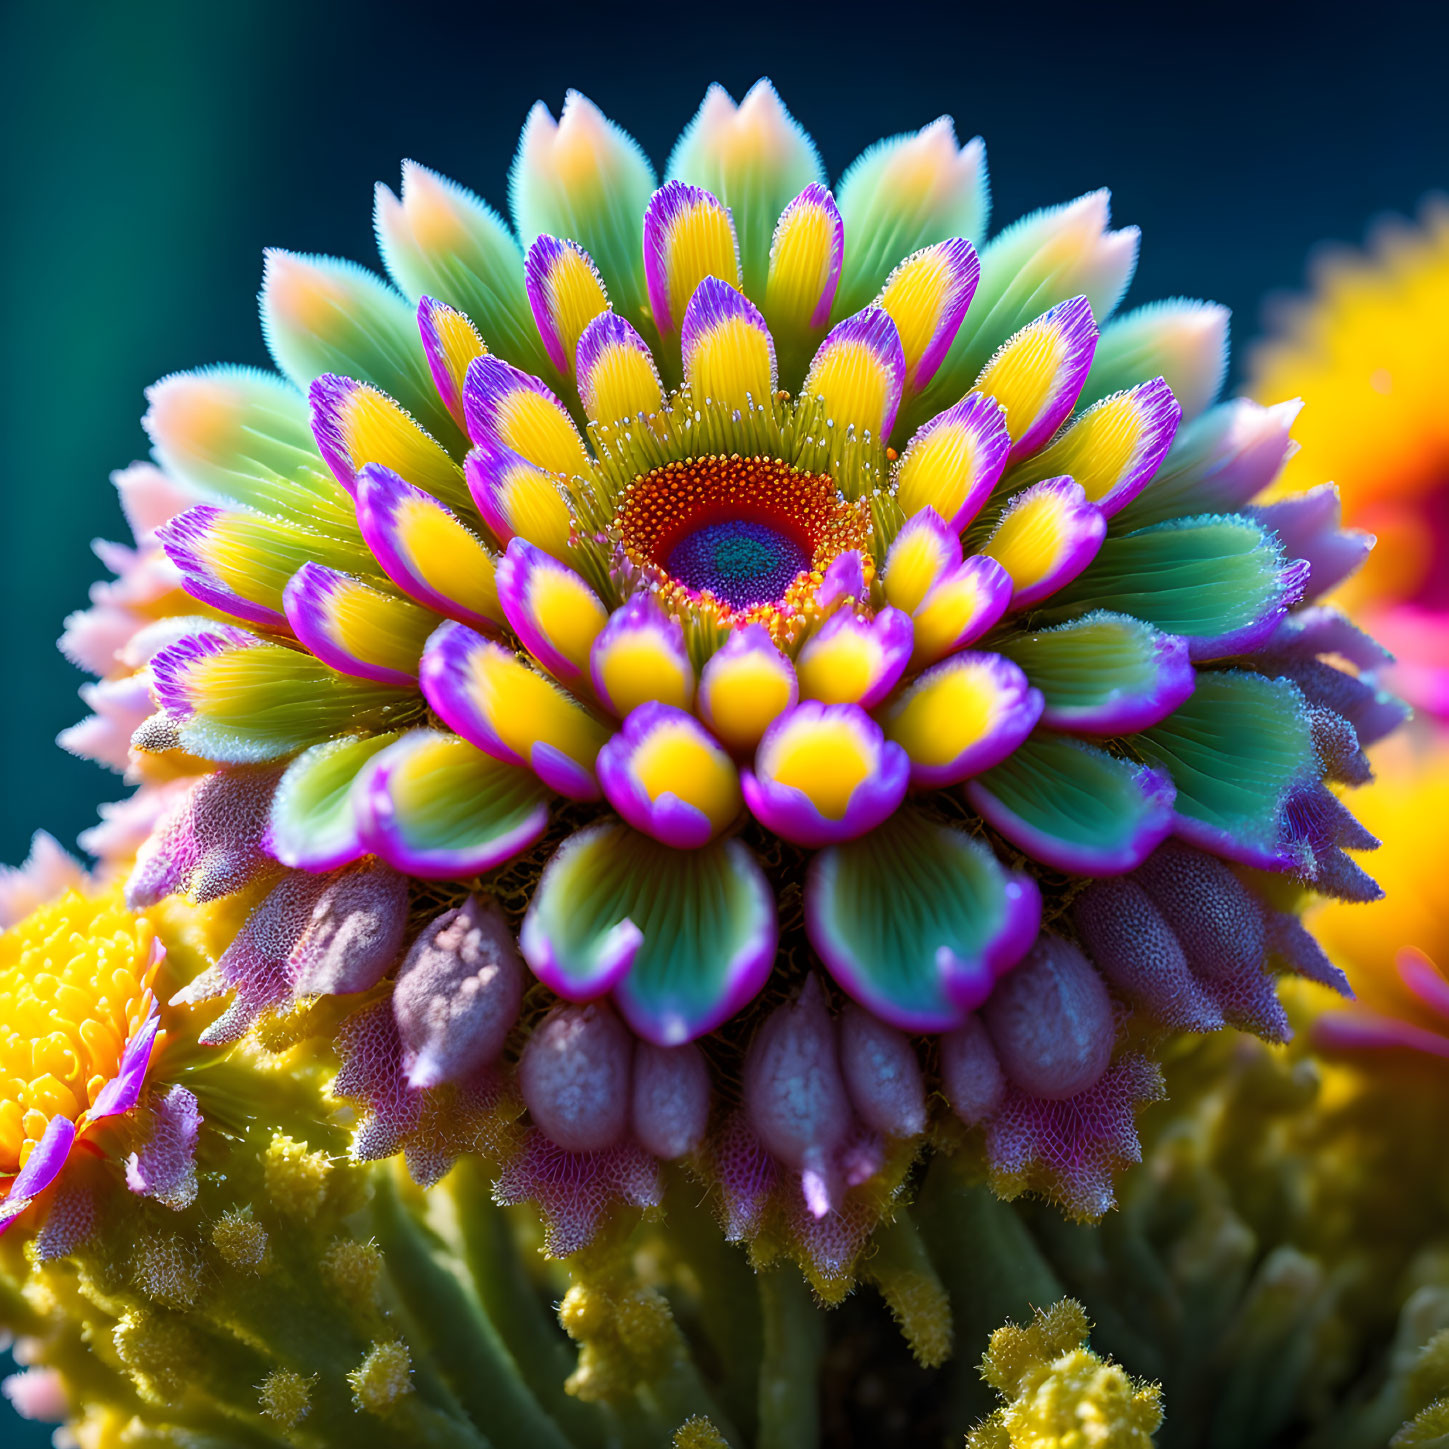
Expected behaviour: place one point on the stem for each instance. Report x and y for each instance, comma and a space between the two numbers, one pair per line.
790, 1369
450, 1328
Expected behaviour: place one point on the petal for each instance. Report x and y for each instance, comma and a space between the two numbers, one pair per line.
927, 296
744, 687
494, 700
1220, 582
565, 293
123, 1091
442, 240
754, 157
553, 611
905, 193
953, 462
617, 375
313, 822
843, 581
1114, 448
320, 315
584, 177
688, 236
640, 656
356, 628
1236, 751
356, 424
825, 772
506, 406
1075, 808
433, 806
238, 702
1048, 534
923, 552
1104, 674
805, 257
425, 550
667, 777
450, 343
683, 938
850, 660
1037, 375
729, 355
959, 608
1184, 342
858, 374
41, 1168
917, 920
518, 498
240, 435
961, 717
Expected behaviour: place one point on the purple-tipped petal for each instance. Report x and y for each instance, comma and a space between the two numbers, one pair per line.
745, 687
671, 1101
805, 256
729, 355
450, 343
688, 236
922, 553
41, 1168
616, 374
666, 775
1048, 534
574, 1076
961, 717
824, 773
123, 1091
851, 660
518, 498
458, 993
507, 406
953, 462
960, 607
843, 580
565, 293
1307, 525
553, 611
640, 656
1038, 374
859, 373
927, 296
190, 539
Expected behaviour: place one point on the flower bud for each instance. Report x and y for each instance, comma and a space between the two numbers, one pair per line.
574, 1075
881, 1074
970, 1074
458, 994
671, 1099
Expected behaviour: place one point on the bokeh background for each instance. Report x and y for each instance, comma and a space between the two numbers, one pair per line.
156, 147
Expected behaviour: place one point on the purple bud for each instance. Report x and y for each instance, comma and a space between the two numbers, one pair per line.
882, 1074
794, 1093
574, 1075
970, 1074
1050, 1021
671, 1099
458, 994
355, 931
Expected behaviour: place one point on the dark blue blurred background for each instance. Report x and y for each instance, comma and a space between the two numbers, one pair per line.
156, 147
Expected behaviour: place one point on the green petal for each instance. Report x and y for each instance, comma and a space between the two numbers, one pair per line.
683, 938
917, 919
313, 823
1219, 581
472, 263
1235, 751
321, 314
434, 806
1103, 674
1182, 341
1074, 807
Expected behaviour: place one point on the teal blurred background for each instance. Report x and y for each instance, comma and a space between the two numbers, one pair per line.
155, 148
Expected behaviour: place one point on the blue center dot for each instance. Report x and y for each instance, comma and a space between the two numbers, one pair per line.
740, 561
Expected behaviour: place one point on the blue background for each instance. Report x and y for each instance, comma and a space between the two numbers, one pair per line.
155, 148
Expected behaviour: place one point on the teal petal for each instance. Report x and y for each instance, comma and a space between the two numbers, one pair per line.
1236, 751
440, 240
1103, 674
903, 194
313, 823
321, 314
683, 938
1182, 341
916, 920
756, 158
1220, 581
585, 179
1074, 807
239, 435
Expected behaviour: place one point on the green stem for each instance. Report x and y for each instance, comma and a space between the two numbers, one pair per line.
794, 1340
449, 1327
